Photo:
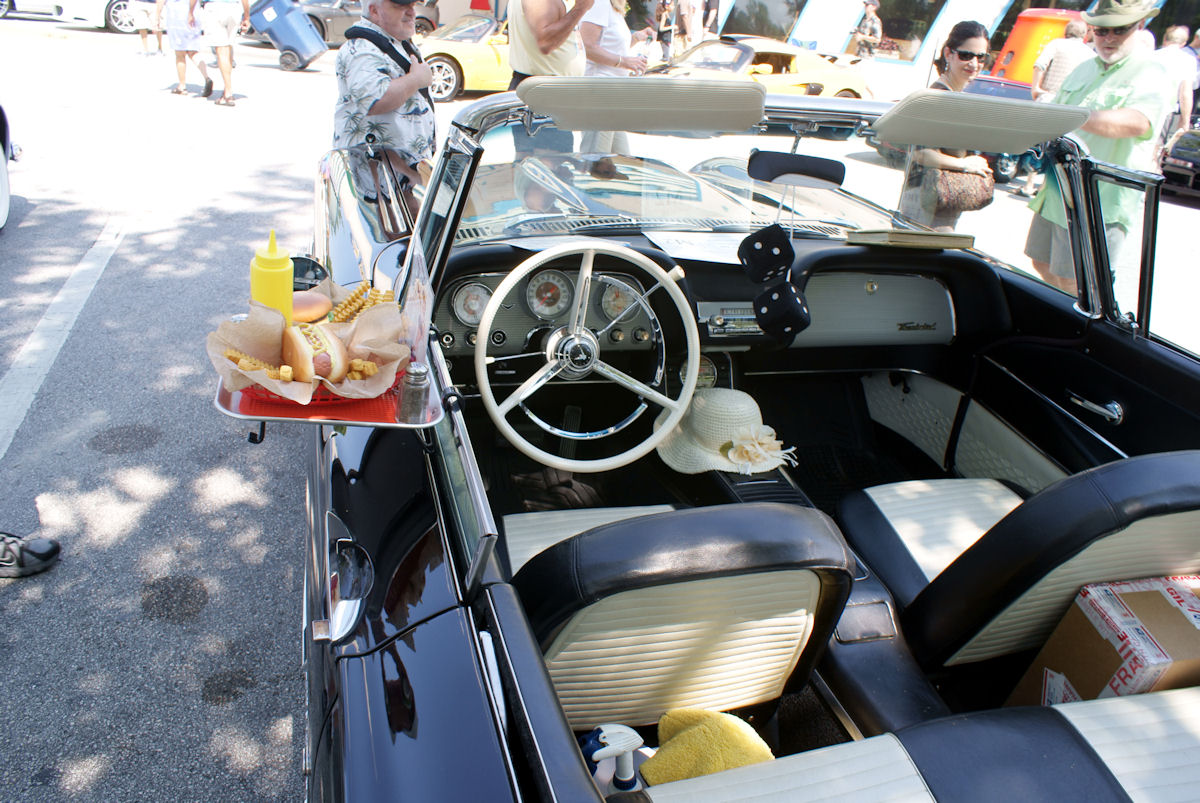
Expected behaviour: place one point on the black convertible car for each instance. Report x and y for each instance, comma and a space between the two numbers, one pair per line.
702, 436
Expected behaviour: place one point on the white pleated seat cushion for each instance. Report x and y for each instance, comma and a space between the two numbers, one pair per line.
875, 770
526, 534
1150, 742
717, 643
1152, 547
938, 520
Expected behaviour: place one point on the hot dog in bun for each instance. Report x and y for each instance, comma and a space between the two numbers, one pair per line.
309, 306
311, 350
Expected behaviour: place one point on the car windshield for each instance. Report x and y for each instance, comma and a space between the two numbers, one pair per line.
693, 186
680, 184
470, 28
715, 56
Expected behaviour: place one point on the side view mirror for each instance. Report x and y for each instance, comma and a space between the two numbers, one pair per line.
307, 273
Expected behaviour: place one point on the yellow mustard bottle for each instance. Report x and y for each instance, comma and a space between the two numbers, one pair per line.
271, 278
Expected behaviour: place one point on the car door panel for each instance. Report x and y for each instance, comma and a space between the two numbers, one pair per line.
1067, 357
414, 717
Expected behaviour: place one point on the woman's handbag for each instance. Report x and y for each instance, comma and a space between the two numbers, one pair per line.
955, 191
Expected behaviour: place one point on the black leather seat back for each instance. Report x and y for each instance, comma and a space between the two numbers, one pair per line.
1137, 517
707, 607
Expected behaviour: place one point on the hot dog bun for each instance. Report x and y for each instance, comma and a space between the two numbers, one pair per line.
309, 306
312, 351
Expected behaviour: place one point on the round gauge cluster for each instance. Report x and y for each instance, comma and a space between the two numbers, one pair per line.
468, 302
615, 299
548, 294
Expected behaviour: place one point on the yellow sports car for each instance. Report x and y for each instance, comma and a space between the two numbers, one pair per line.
471, 54
779, 66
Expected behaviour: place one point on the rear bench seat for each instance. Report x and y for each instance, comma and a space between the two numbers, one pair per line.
1139, 748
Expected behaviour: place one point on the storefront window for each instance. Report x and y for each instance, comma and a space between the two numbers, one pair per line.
640, 13
772, 18
905, 24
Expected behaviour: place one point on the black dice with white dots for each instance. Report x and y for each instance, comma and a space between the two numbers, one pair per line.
781, 312
767, 254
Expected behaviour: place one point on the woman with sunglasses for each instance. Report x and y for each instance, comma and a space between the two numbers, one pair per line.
962, 58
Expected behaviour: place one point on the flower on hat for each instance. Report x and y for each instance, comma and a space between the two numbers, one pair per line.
751, 448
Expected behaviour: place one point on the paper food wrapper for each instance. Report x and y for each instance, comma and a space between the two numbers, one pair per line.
373, 334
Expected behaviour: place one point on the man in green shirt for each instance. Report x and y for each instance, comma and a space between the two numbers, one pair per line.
1127, 93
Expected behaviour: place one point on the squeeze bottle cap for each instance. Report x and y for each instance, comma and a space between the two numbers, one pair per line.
272, 256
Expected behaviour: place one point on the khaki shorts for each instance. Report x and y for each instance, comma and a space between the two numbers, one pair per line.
221, 22
1049, 243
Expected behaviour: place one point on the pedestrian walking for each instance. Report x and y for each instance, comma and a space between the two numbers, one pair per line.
221, 24
183, 34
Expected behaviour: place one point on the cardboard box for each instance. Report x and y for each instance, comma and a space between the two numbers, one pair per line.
1119, 638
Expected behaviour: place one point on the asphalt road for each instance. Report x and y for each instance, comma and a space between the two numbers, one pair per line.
160, 659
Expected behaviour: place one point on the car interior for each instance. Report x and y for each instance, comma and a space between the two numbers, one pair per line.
877, 593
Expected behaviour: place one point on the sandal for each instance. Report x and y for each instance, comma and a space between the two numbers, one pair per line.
178, 91
204, 93
224, 101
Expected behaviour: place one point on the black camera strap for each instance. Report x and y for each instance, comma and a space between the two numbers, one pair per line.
380, 41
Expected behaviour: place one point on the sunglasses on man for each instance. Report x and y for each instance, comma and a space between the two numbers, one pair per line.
967, 55
1121, 31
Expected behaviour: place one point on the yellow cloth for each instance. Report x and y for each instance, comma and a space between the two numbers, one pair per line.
695, 742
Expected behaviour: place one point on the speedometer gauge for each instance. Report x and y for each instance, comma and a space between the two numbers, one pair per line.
548, 293
468, 302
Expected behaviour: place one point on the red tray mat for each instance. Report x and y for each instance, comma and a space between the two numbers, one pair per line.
381, 409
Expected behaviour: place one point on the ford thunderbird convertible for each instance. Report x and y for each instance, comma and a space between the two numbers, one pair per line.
713, 477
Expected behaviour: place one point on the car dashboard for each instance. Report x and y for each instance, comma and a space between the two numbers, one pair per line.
873, 301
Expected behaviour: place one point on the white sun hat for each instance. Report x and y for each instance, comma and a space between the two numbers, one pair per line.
722, 430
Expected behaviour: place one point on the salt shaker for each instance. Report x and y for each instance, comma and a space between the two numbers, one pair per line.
414, 391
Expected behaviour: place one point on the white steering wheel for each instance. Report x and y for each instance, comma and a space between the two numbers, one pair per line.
573, 351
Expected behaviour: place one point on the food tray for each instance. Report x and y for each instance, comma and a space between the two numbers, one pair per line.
322, 395
378, 412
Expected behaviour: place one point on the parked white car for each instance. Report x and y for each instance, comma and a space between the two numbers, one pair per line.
111, 14
42, 7
7, 151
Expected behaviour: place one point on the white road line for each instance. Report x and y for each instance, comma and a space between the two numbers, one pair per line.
20, 384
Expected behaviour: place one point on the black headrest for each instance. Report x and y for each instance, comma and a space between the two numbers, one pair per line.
671, 547
1043, 532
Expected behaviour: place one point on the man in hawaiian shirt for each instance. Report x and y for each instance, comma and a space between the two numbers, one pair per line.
379, 102
1127, 93
869, 32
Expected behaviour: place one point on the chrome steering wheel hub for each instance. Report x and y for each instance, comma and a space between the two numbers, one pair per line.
575, 351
